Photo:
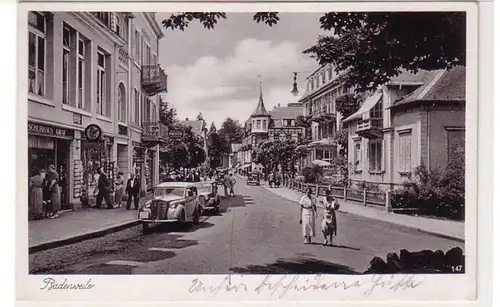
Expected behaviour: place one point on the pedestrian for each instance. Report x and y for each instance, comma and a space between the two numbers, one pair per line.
55, 192
103, 189
308, 213
271, 180
232, 182
226, 181
35, 199
329, 223
119, 189
132, 191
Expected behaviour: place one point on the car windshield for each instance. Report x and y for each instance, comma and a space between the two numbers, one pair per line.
169, 191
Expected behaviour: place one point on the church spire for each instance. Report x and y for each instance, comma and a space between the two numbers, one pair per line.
261, 109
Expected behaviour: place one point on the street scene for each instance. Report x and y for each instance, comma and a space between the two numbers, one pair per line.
249, 143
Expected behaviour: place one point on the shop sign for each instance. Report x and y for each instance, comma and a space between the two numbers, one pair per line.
175, 134
48, 130
93, 132
40, 142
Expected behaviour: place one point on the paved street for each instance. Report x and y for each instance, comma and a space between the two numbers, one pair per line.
256, 232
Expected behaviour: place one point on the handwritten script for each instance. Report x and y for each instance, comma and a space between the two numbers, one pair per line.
51, 284
280, 286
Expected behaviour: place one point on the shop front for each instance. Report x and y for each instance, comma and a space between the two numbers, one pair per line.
137, 161
50, 145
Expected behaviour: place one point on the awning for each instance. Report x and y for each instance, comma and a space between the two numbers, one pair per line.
321, 163
368, 104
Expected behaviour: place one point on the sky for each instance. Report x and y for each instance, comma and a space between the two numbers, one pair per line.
216, 72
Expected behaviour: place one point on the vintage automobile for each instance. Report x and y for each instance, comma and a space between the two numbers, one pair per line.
253, 178
208, 192
172, 202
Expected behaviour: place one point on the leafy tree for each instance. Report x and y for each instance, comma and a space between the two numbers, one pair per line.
187, 152
342, 139
272, 153
305, 122
167, 114
348, 104
231, 132
368, 49
215, 149
212, 128
312, 174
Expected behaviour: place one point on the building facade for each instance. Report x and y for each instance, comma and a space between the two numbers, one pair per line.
414, 120
277, 124
322, 89
80, 75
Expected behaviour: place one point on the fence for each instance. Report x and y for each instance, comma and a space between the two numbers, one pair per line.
382, 199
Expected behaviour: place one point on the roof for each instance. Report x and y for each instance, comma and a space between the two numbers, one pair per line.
176, 184
261, 109
196, 126
286, 112
235, 147
447, 85
367, 105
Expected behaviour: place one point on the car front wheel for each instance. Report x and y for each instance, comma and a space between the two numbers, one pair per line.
196, 216
145, 227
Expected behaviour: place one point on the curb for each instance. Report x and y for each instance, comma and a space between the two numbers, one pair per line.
82, 237
433, 233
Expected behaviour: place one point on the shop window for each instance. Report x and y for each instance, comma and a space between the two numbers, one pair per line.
122, 103
102, 77
375, 155
405, 152
36, 53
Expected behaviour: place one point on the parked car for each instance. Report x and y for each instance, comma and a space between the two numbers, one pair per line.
172, 202
253, 178
208, 192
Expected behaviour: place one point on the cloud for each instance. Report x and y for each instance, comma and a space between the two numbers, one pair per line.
229, 86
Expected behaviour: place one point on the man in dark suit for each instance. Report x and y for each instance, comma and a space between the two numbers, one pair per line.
132, 191
103, 188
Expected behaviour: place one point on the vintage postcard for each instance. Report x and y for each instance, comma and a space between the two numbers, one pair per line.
259, 152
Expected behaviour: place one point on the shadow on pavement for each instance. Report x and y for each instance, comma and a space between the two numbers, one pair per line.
336, 246
297, 266
238, 201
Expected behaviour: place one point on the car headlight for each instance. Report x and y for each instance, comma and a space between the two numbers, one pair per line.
147, 204
207, 197
173, 205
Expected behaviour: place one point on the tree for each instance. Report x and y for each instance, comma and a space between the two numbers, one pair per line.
272, 153
348, 104
167, 114
342, 139
215, 149
370, 48
231, 132
187, 152
304, 122
212, 128
199, 116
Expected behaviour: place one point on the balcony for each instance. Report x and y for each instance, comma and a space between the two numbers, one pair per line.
153, 79
370, 128
154, 133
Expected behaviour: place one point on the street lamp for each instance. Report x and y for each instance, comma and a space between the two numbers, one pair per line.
295, 90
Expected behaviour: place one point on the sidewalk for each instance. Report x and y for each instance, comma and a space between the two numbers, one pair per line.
79, 225
453, 230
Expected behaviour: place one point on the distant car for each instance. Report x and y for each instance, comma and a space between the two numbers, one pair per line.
253, 178
209, 196
172, 202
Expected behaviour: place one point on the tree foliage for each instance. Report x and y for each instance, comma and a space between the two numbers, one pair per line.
231, 132
342, 139
215, 148
167, 114
369, 49
272, 153
348, 104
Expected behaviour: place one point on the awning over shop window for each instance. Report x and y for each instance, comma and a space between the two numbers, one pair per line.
368, 104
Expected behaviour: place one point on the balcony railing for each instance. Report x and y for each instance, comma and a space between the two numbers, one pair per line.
153, 79
370, 128
154, 132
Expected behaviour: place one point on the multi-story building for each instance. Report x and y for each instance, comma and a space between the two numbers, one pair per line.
414, 120
323, 88
93, 80
278, 124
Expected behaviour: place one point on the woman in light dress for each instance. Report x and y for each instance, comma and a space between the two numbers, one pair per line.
55, 192
308, 214
120, 190
329, 223
35, 200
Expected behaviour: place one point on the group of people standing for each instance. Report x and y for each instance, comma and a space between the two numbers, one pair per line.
44, 194
229, 182
104, 188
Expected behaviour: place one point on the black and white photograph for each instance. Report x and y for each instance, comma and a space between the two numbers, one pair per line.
243, 143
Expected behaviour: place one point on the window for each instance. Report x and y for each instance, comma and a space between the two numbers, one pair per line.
258, 124
376, 111
104, 17
323, 77
36, 53
122, 103
405, 152
264, 124
67, 35
330, 73
137, 45
375, 155
357, 156
137, 107
80, 99
101, 84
